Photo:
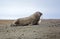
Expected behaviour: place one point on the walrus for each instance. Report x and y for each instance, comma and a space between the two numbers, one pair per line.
31, 20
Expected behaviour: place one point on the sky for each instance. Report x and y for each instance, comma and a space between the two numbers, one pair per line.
13, 9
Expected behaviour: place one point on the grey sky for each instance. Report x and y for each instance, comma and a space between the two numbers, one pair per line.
13, 9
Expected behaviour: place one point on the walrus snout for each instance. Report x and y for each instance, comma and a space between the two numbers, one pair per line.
41, 14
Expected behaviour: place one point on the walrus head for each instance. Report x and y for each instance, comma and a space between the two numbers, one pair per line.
38, 13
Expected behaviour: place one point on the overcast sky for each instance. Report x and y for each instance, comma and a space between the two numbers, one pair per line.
13, 9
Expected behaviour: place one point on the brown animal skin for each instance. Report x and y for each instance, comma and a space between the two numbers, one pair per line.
31, 20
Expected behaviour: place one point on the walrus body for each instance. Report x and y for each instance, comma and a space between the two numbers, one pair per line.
31, 20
